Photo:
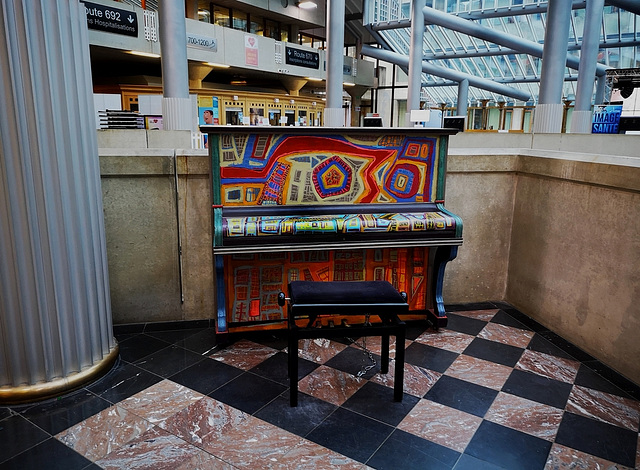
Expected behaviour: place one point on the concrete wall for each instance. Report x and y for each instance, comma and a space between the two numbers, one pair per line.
555, 233
158, 245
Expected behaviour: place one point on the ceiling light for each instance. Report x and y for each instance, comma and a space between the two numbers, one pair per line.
221, 66
144, 54
349, 84
306, 4
313, 79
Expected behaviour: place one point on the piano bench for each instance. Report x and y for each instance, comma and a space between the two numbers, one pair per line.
308, 299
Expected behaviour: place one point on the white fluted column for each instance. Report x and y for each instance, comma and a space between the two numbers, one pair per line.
55, 312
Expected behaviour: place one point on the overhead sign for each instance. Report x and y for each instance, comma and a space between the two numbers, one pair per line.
606, 119
303, 58
111, 20
202, 42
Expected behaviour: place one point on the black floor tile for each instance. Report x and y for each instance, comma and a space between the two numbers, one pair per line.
612, 376
173, 336
248, 392
461, 324
169, 361
469, 306
493, 351
4, 413
591, 379
407, 451
467, 462
176, 325
415, 328
276, 368
274, 341
123, 381
537, 388
202, 342
129, 329
300, 420
508, 448
50, 454
599, 439
353, 360
350, 434
426, 356
139, 346
575, 352
56, 415
462, 395
524, 319
17, 435
543, 345
504, 318
376, 401
205, 376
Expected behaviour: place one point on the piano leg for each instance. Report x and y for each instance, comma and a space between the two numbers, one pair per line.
443, 255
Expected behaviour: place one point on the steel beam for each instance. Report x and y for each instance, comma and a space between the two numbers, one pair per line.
449, 74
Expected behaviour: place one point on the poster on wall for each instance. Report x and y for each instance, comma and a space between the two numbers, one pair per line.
606, 119
208, 110
250, 50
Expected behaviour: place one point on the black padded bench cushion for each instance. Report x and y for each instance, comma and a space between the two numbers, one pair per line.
344, 293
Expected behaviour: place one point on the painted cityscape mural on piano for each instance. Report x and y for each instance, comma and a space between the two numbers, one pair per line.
258, 278
259, 169
273, 169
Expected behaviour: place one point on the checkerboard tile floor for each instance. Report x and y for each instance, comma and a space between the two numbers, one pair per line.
493, 390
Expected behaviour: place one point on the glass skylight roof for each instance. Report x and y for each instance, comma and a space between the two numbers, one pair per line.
619, 43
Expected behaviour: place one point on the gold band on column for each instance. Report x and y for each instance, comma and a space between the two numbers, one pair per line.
44, 390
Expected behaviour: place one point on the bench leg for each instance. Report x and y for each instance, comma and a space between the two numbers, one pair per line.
398, 381
293, 368
384, 356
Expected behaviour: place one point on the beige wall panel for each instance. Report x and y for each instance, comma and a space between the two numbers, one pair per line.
141, 230
194, 189
575, 265
484, 200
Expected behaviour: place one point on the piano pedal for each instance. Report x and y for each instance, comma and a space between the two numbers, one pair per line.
344, 323
330, 324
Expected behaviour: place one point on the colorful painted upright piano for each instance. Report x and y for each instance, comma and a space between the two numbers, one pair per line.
323, 204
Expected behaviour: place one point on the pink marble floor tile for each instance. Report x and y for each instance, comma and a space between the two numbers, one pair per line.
446, 339
480, 372
311, 456
207, 417
506, 335
440, 424
332, 385
612, 409
548, 366
485, 315
155, 449
244, 354
319, 350
103, 432
638, 453
525, 415
250, 444
566, 458
161, 401
417, 381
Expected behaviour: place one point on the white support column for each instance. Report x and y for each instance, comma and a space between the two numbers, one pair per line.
333, 112
581, 118
549, 110
176, 105
55, 321
415, 58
